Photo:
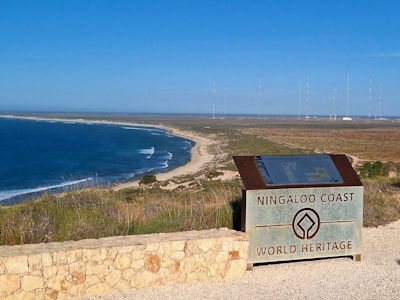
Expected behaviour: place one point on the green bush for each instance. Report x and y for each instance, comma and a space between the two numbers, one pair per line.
148, 179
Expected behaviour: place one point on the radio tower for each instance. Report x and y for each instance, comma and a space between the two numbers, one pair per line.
380, 94
213, 98
308, 75
225, 102
259, 96
299, 96
333, 105
369, 113
348, 75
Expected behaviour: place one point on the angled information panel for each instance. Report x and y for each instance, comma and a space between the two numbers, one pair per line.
306, 207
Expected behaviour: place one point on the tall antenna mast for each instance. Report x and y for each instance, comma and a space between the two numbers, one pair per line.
213, 98
225, 101
380, 94
348, 75
299, 96
259, 96
333, 105
308, 75
369, 113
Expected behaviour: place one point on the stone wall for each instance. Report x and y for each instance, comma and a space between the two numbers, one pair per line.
87, 267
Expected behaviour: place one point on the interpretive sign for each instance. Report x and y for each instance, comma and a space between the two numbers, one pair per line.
303, 207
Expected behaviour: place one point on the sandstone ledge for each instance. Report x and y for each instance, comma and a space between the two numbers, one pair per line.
87, 267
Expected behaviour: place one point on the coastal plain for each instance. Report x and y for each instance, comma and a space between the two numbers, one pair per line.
212, 180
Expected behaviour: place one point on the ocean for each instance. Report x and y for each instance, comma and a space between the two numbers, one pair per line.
45, 156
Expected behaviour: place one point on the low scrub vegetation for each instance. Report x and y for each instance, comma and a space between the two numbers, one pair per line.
96, 213
381, 201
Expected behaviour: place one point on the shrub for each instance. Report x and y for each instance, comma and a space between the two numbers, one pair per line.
148, 179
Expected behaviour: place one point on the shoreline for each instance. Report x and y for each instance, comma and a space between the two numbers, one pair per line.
199, 157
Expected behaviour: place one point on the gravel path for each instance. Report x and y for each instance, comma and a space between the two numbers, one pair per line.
377, 276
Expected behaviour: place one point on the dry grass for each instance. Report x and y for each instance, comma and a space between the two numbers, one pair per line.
96, 213
381, 201
366, 141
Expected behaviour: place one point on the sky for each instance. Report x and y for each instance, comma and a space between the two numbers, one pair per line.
162, 57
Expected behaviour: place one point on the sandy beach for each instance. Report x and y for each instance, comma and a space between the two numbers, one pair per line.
199, 158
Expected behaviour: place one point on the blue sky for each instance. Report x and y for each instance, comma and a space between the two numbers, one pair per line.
162, 56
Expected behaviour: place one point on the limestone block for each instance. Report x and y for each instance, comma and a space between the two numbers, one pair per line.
152, 262
175, 278
100, 270
163, 273
91, 255
47, 259
137, 254
111, 253
224, 267
103, 253
177, 255
77, 290
233, 255
137, 264
9, 283
212, 270
175, 267
99, 289
139, 247
202, 277
237, 269
2, 267
62, 295
74, 256
107, 262
188, 265
35, 263
122, 261
128, 274
95, 255
190, 248
40, 294
227, 244
236, 245
222, 257
122, 285
177, 246
63, 271
152, 247
89, 270
23, 295
60, 258
51, 294
166, 262
113, 277
92, 280
125, 249
166, 250
77, 267
17, 265
50, 272
244, 250
58, 283
210, 257
31, 283
192, 277
144, 278
78, 278
205, 244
